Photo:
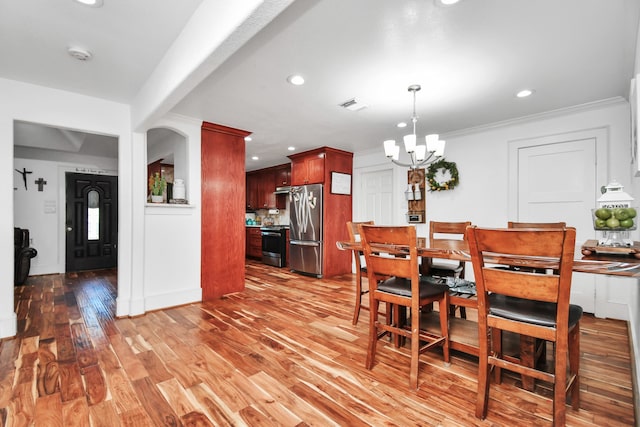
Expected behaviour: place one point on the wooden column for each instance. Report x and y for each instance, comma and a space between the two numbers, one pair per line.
223, 208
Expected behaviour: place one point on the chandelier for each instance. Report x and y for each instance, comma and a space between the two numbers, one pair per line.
420, 155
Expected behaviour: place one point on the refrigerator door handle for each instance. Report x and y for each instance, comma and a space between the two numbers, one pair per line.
304, 243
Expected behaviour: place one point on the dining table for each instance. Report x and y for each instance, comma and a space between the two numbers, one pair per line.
463, 333
615, 264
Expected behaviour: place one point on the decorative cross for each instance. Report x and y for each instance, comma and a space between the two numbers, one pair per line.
41, 183
24, 173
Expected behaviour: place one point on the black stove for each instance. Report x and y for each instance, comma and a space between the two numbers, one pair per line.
274, 245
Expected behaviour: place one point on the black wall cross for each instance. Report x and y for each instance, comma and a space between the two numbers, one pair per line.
24, 173
41, 183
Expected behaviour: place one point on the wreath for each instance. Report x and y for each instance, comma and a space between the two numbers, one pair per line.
433, 169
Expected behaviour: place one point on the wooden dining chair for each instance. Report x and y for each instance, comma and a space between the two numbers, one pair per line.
392, 268
528, 303
361, 268
447, 230
439, 230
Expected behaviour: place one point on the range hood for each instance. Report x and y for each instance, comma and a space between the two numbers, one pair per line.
282, 190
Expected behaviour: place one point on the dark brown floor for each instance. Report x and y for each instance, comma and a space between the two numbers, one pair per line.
281, 353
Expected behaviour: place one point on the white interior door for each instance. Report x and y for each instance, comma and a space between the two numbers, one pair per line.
375, 197
556, 179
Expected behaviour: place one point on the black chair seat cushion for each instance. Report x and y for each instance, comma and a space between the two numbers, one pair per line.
534, 312
402, 287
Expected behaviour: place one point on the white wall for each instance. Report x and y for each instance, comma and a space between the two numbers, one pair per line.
141, 286
172, 233
43, 212
72, 111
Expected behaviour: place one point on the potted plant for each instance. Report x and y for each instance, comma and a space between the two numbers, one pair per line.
157, 185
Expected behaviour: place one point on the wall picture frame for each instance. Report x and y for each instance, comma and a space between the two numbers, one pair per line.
340, 183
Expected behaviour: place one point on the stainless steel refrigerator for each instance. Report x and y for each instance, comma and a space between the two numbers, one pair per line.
305, 228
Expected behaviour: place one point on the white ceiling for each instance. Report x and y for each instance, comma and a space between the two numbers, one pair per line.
470, 60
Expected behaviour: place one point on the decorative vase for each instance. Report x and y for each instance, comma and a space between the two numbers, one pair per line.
179, 192
156, 199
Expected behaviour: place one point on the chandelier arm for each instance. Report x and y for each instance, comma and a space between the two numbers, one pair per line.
406, 165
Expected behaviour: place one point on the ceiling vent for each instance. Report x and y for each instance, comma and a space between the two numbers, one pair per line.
353, 105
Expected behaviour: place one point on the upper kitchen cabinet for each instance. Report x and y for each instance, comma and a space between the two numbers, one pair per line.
307, 167
283, 175
315, 166
262, 184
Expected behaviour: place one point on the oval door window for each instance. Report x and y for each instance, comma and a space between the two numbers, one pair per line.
93, 215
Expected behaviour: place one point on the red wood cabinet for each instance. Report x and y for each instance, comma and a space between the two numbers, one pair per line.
315, 167
253, 184
308, 168
283, 175
261, 185
223, 208
254, 242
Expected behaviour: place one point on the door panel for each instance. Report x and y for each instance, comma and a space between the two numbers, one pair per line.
91, 222
377, 197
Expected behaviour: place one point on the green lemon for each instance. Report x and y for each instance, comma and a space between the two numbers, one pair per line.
600, 223
613, 223
626, 223
621, 214
603, 213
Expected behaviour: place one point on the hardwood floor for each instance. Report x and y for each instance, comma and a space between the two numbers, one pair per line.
281, 353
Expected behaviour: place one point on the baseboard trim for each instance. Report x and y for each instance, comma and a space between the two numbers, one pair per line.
172, 299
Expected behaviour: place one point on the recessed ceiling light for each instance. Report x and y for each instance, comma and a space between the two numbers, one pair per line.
79, 53
448, 2
91, 3
291, 148
402, 125
296, 79
524, 93
247, 138
255, 158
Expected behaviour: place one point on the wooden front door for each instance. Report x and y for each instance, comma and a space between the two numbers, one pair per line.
91, 222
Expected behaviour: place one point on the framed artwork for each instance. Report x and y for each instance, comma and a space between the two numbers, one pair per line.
340, 183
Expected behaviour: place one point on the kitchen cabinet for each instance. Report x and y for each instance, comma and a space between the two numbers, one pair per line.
254, 242
308, 167
283, 175
261, 185
253, 187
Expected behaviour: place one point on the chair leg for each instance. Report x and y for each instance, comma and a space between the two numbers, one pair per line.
496, 348
444, 325
560, 385
373, 332
415, 348
574, 365
482, 401
356, 310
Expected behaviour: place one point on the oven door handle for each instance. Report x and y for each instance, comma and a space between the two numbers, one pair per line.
271, 233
